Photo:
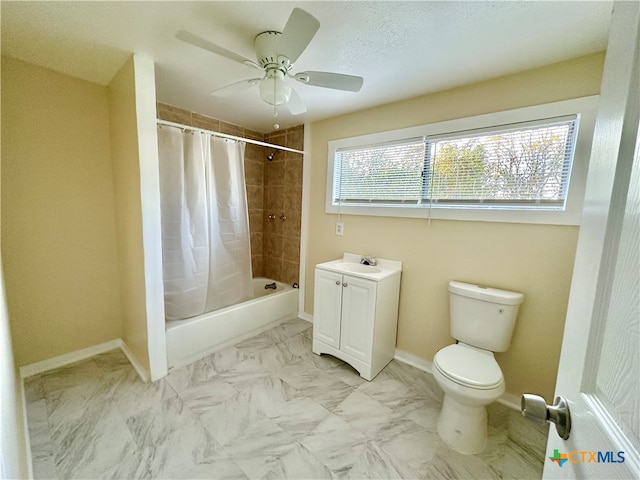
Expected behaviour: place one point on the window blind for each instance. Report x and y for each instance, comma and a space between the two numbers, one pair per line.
387, 173
524, 165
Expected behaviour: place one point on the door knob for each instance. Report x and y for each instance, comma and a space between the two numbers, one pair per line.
534, 407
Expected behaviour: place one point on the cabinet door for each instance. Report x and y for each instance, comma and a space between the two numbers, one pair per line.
358, 316
327, 306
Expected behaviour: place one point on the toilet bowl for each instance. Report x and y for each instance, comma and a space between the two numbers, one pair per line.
471, 379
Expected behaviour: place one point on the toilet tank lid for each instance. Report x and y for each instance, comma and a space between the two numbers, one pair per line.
487, 294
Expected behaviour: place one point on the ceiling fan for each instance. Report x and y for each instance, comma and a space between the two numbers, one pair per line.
276, 52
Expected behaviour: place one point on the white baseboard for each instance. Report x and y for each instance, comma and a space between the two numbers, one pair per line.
25, 426
140, 370
305, 316
409, 359
68, 358
78, 355
507, 399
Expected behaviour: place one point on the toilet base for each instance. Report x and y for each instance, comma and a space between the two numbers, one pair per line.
463, 427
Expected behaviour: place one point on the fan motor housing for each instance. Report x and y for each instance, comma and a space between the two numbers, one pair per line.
266, 45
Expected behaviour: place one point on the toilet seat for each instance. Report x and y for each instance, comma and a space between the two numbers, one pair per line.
469, 367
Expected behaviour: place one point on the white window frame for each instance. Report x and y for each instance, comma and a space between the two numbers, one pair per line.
585, 108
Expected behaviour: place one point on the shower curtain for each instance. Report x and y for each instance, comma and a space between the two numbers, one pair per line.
205, 226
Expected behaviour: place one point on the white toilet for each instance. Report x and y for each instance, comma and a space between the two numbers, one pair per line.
482, 320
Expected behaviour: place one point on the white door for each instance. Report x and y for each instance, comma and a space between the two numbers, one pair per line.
599, 372
358, 311
327, 307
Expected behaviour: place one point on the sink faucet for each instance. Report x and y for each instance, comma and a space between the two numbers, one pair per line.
367, 260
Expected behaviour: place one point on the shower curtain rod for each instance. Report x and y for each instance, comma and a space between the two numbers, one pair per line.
224, 135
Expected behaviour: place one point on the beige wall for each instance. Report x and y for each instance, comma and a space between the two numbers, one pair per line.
534, 259
127, 166
58, 217
13, 457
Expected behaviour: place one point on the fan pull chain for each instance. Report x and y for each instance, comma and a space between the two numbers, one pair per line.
276, 125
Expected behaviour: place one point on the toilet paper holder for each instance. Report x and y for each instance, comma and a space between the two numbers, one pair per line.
535, 408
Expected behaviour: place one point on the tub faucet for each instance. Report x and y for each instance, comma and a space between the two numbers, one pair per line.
367, 260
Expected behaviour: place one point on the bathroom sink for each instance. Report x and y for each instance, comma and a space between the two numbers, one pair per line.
357, 267
350, 264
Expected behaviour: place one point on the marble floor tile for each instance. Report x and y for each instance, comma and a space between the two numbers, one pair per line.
449, 464
388, 391
42, 449
262, 340
245, 372
300, 344
248, 436
266, 407
80, 374
111, 361
315, 384
132, 395
288, 329
345, 373
274, 357
375, 463
298, 463
171, 438
363, 413
220, 467
336, 444
525, 447
226, 358
192, 375
323, 362
414, 379
99, 445
33, 388
270, 394
424, 413
299, 416
200, 386
409, 442
202, 396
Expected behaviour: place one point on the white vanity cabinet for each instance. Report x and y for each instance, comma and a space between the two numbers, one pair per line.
356, 315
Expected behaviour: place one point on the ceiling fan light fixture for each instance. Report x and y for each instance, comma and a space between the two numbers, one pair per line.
273, 89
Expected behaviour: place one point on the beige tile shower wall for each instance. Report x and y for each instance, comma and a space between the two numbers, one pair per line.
254, 161
283, 196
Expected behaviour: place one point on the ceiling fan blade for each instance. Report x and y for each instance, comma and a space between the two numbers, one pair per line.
336, 81
298, 32
200, 42
235, 87
295, 105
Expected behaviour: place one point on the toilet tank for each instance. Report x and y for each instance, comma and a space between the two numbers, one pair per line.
482, 316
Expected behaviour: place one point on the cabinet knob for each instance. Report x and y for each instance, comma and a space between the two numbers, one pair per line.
337, 282
345, 284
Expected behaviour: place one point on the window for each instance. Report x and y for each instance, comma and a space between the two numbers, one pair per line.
452, 171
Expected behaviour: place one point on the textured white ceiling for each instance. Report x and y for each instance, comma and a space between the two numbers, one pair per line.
402, 49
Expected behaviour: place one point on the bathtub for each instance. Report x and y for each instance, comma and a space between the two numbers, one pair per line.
194, 338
